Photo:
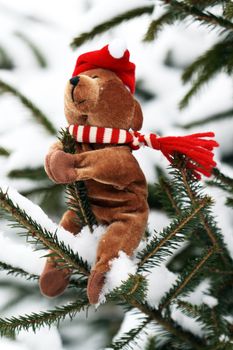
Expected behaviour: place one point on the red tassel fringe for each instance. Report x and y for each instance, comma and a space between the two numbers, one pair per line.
195, 147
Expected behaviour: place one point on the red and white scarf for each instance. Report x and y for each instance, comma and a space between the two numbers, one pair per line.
195, 146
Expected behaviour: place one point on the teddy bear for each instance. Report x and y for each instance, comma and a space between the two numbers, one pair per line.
104, 119
100, 94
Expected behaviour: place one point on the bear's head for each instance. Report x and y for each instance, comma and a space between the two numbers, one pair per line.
97, 97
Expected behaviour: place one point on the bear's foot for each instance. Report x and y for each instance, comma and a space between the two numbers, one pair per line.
53, 282
95, 285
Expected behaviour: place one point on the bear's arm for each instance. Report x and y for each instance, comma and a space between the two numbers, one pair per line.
115, 166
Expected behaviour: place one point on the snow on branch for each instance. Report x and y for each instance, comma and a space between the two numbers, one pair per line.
74, 250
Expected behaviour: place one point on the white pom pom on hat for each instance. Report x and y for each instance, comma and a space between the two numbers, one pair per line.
117, 48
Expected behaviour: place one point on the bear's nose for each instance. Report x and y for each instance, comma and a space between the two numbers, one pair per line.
75, 80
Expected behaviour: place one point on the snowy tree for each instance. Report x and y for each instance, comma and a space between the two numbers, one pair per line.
176, 291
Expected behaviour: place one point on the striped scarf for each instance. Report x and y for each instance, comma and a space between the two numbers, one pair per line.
195, 146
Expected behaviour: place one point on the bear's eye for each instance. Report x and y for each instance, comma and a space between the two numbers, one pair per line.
95, 76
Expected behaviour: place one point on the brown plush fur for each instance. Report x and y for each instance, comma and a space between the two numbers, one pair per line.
116, 185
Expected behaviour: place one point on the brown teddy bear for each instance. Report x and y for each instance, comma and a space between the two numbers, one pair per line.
100, 109
115, 183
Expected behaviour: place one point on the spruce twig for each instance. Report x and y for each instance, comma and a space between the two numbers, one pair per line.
17, 271
157, 24
134, 288
39, 234
204, 16
184, 279
28, 173
46, 188
134, 296
191, 195
5, 60
35, 50
151, 343
209, 318
133, 292
170, 325
4, 152
126, 341
39, 116
209, 119
157, 250
207, 221
10, 325
100, 28
205, 71
226, 181
167, 188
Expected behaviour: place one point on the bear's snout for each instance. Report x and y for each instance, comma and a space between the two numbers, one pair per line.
84, 92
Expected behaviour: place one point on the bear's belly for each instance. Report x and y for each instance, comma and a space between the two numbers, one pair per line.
107, 201
107, 195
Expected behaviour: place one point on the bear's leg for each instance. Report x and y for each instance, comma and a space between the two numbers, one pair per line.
124, 235
53, 281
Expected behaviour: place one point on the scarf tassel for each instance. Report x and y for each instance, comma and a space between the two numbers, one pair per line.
194, 147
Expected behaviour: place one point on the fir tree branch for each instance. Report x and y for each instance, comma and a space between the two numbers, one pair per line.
209, 318
34, 321
133, 293
203, 3
193, 201
39, 234
151, 344
79, 283
5, 60
13, 301
228, 10
103, 27
78, 202
184, 279
207, 221
39, 116
134, 288
157, 250
200, 313
4, 152
209, 119
204, 16
229, 202
35, 50
166, 187
126, 341
169, 325
225, 181
17, 271
207, 66
28, 173
157, 24
47, 188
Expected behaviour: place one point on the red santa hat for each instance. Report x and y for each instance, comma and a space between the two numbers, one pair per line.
114, 57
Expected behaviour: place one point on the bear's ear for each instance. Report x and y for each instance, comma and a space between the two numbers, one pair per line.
137, 119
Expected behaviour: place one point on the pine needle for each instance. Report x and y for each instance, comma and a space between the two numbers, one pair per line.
103, 27
16, 271
11, 325
37, 114
42, 238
